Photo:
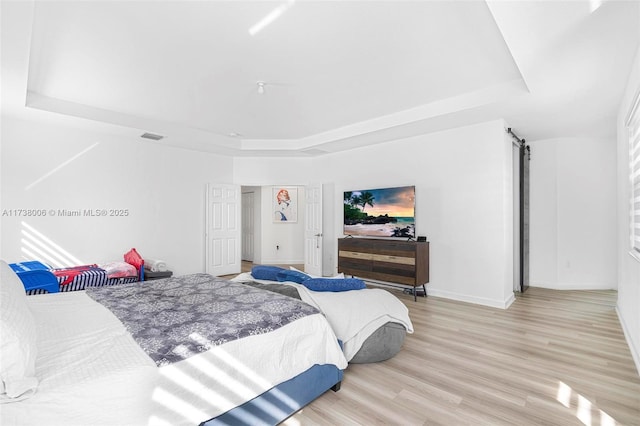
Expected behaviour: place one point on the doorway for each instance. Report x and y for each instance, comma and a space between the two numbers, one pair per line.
248, 225
265, 241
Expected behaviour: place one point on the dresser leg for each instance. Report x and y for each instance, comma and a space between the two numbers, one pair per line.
415, 292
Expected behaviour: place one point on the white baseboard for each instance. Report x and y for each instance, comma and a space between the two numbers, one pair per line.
572, 286
501, 304
493, 303
635, 353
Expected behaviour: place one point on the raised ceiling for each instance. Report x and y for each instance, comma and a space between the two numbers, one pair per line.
336, 75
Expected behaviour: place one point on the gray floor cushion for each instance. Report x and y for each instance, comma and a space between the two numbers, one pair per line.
383, 344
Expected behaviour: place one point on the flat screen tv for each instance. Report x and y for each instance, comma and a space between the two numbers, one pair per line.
384, 212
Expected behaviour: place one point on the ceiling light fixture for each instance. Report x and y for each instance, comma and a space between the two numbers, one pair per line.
260, 87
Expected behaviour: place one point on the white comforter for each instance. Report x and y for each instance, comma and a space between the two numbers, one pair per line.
353, 315
92, 372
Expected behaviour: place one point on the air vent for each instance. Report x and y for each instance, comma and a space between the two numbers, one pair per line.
152, 136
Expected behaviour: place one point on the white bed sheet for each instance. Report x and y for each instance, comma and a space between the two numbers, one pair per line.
354, 315
92, 372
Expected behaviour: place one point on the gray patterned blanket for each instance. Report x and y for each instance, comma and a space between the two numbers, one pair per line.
175, 318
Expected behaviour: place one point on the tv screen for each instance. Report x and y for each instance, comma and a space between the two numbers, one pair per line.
385, 212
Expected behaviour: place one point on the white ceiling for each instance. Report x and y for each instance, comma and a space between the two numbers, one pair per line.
337, 74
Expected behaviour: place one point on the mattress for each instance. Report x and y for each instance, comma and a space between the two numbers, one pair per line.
91, 370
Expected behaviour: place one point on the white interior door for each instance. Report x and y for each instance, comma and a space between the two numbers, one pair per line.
248, 232
223, 229
313, 229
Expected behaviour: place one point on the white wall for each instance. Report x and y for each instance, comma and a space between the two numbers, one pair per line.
161, 187
464, 200
258, 171
573, 214
628, 267
282, 242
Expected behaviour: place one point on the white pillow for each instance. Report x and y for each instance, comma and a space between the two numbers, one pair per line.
18, 348
339, 276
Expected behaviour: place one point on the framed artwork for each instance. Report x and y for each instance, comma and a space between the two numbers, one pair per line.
285, 204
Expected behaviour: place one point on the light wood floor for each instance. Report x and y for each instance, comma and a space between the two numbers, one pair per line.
553, 358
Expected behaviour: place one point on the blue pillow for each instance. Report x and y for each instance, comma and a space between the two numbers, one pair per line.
290, 275
266, 272
334, 284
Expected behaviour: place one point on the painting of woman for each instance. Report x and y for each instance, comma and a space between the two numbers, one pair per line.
285, 203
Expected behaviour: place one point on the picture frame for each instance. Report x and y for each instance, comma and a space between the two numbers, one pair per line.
285, 204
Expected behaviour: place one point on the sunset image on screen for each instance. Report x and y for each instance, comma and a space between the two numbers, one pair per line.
385, 212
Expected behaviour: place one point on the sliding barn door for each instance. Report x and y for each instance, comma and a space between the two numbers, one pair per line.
223, 229
524, 216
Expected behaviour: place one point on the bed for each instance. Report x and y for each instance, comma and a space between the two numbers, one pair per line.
370, 323
97, 356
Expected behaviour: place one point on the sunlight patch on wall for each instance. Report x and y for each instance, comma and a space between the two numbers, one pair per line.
60, 166
583, 407
594, 5
270, 17
36, 246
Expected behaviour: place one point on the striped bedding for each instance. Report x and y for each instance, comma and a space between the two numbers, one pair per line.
81, 277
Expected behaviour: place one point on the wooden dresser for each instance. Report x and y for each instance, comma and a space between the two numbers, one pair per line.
394, 261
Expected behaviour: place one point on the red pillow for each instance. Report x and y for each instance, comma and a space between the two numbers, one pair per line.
132, 257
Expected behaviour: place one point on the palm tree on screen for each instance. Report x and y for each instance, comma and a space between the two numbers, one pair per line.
356, 200
366, 198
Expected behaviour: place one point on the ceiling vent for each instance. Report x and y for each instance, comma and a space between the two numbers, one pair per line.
152, 136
